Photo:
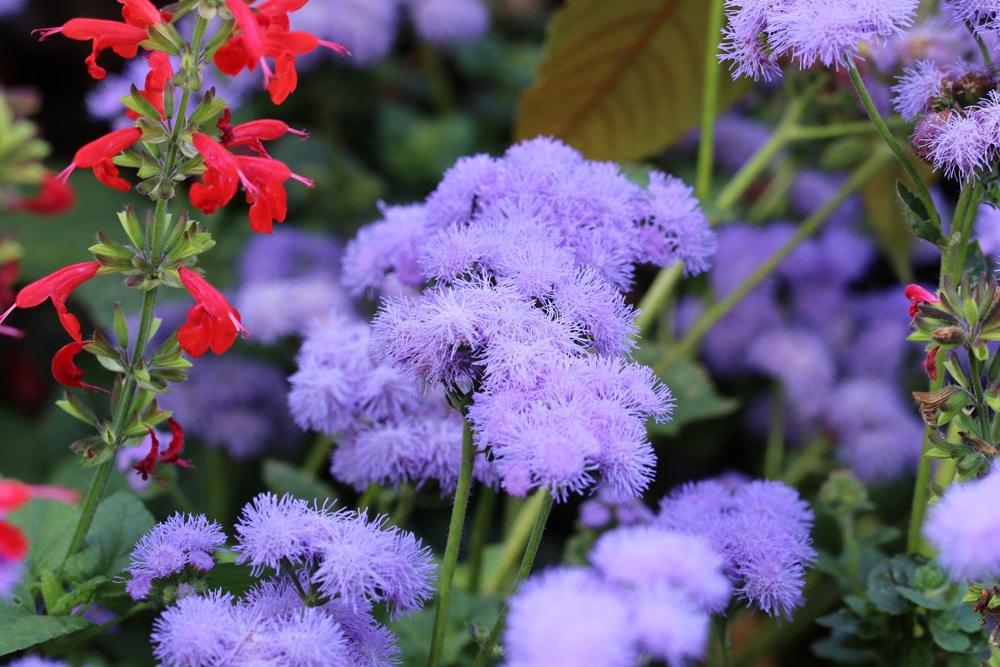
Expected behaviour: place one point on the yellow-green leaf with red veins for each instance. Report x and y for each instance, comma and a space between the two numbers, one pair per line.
621, 80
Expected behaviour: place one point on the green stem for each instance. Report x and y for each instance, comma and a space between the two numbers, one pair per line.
318, 454
775, 447
921, 486
544, 506
709, 101
656, 296
515, 542
809, 132
808, 227
450, 561
720, 627
953, 257
485, 505
890, 141
850, 552
90, 633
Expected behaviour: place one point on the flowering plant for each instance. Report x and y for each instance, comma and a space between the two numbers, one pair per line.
563, 406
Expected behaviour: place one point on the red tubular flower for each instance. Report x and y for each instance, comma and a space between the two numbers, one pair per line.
266, 35
53, 198
918, 295
65, 370
262, 177
160, 71
58, 287
929, 362
211, 323
147, 466
98, 153
122, 38
254, 132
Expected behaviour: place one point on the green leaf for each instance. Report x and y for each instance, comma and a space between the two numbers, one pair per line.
892, 231
883, 582
622, 80
22, 628
282, 477
695, 395
916, 214
121, 520
49, 526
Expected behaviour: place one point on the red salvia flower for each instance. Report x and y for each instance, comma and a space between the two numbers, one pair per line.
254, 132
14, 494
122, 38
929, 362
147, 466
211, 324
65, 370
265, 34
918, 295
54, 197
98, 153
262, 177
57, 286
160, 71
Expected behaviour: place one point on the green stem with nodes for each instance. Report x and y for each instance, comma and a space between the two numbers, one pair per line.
890, 141
808, 227
709, 101
543, 506
921, 486
450, 561
125, 404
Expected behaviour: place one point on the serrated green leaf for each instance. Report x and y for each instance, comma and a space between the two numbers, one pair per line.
622, 80
22, 628
120, 521
917, 216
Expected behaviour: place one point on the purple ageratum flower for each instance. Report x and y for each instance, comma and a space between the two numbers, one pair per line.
809, 31
367, 560
877, 433
960, 144
235, 404
640, 557
981, 15
370, 644
964, 528
668, 625
932, 39
600, 510
923, 87
569, 617
169, 548
288, 252
457, 198
812, 189
741, 249
444, 22
366, 27
271, 529
803, 363
674, 228
760, 527
279, 308
198, 630
388, 247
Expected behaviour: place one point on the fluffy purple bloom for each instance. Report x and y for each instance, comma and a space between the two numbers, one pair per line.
569, 617
808, 31
668, 625
762, 530
236, 404
198, 630
444, 22
964, 528
366, 27
640, 557
34, 660
675, 229
603, 508
271, 529
982, 15
959, 144
388, 247
801, 361
924, 86
170, 547
878, 434
288, 252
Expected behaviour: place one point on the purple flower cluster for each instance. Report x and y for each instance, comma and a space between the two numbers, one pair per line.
323, 573
368, 27
761, 529
169, 549
964, 528
388, 429
760, 33
649, 594
526, 257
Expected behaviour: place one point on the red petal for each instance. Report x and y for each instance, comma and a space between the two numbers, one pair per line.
13, 494
13, 543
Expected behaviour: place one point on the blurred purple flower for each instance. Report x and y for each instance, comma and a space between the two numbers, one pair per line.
964, 528
445, 22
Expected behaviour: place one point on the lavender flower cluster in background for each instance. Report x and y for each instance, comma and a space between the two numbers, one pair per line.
320, 572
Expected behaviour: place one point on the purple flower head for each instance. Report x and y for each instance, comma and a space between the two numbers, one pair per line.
809, 31
981, 15
370, 644
286, 307
878, 435
959, 144
11, 573
668, 625
569, 617
963, 526
801, 361
236, 404
604, 508
640, 557
366, 27
271, 529
198, 630
696, 508
987, 230
308, 637
390, 246
34, 660
458, 198
366, 560
812, 189
923, 87
170, 547
444, 22
674, 227
741, 249
737, 138
933, 39
288, 252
